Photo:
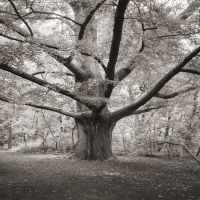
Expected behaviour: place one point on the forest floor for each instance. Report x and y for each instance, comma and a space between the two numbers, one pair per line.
56, 177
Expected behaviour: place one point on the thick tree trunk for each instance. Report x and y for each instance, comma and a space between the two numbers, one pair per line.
95, 132
94, 139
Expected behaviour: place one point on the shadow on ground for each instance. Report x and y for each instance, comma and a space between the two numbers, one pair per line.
54, 177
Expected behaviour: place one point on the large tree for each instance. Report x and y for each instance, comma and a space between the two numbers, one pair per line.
95, 75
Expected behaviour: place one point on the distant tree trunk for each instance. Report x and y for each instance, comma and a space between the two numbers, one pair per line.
166, 134
191, 130
10, 137
73, 141
123, 138
25, 139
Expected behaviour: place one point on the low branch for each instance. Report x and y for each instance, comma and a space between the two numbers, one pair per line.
88, 19
127, 110
184, 147
56, 110
18, 14
90, 103
33, 79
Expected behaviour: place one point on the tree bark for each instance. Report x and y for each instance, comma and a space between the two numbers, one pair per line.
94, 138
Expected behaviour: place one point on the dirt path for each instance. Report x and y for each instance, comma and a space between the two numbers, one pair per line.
51, 177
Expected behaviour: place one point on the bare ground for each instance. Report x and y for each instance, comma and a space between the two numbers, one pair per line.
55, 177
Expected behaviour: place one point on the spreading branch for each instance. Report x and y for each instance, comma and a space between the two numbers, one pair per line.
57, 110
90, 103
127, 110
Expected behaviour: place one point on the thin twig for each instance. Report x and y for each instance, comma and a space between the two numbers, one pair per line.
18, 14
